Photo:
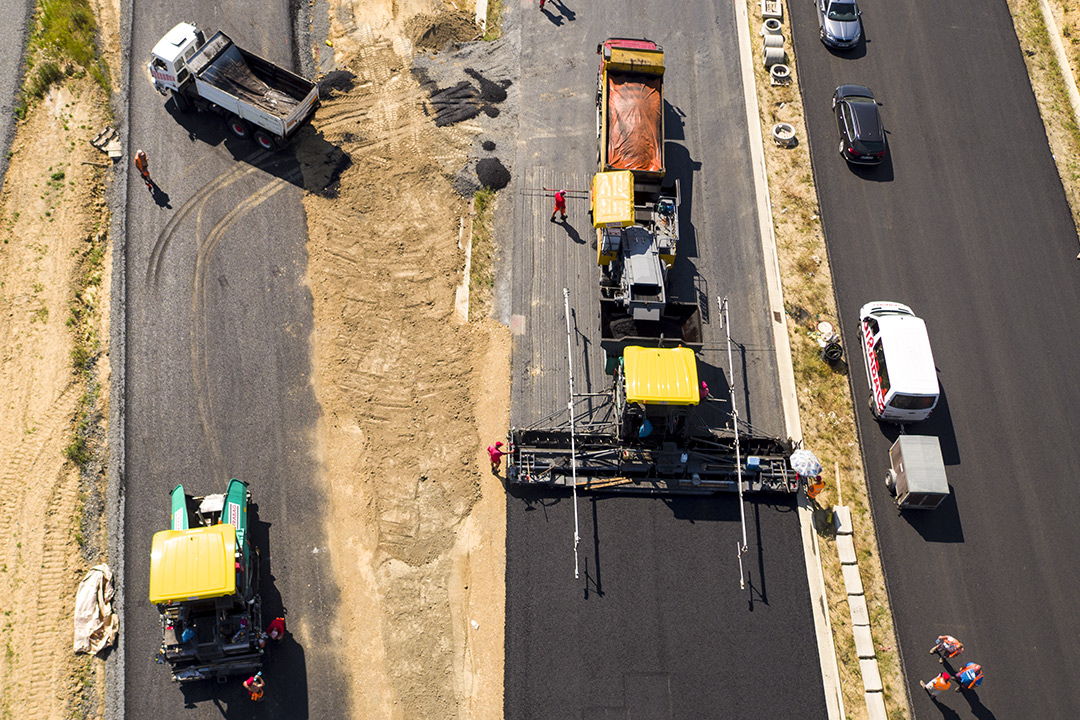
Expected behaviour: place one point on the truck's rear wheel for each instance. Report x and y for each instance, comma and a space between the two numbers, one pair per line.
265, 140
238, 127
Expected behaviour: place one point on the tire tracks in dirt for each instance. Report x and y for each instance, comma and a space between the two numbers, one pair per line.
201, 203
396, 375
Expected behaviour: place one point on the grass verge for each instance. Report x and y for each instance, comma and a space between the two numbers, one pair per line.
493, 25
1048, 84
824, 395
482, 272
63, 43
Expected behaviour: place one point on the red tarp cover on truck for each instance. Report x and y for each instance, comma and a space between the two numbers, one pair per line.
635, 105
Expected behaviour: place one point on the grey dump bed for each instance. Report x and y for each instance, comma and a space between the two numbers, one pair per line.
248, 77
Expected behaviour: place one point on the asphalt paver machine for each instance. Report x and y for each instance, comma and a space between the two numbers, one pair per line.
204, 579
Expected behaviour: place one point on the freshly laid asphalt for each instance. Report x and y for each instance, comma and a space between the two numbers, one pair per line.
969, 225
656, 626
218, 377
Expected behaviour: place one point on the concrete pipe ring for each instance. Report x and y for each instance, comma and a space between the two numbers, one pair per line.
774, 41
770, 27
774, 56
780, 72
783, 134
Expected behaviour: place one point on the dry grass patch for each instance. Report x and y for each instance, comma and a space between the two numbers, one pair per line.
825, 403
1048, 83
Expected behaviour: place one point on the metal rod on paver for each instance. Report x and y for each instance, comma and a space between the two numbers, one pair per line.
570, 409
726, 319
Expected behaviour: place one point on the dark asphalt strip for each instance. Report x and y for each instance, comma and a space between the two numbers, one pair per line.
969, 225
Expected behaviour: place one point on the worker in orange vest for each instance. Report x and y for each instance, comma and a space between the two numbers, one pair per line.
256, 687
947, 647
142, 164
814, 486
969, 677
938, 685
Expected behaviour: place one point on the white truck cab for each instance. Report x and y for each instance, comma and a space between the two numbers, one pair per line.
900, 368
168, 59
255, 97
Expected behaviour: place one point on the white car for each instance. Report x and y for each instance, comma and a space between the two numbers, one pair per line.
840, 23
900, 368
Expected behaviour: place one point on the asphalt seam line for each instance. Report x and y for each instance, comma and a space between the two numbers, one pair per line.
830, 674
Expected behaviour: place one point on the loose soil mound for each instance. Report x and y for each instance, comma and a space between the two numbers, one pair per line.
433, 32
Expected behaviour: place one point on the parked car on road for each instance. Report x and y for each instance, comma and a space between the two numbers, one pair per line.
839, 21
862, 135
900, 368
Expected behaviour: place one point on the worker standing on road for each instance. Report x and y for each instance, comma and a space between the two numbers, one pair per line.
256, 687
276, 629
938, 685
495, 453
969, 677
947, 647
142, 164
560, 205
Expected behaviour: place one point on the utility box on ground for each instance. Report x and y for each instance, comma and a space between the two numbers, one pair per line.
917, 476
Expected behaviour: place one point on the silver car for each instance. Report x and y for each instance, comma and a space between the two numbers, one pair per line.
840, 25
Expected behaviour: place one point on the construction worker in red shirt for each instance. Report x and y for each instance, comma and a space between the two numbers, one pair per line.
938, 685
276, 629
560, 205
969, 677
495, 454
947, 647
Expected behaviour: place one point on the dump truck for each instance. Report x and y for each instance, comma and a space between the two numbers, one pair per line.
630, 109
256, 98
204, 580
650, 438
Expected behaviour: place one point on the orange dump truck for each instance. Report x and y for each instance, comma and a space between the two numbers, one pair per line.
630, 108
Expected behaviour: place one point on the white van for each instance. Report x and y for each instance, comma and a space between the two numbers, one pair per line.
899, 365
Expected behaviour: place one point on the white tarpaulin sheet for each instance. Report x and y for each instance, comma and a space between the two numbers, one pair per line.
96, 624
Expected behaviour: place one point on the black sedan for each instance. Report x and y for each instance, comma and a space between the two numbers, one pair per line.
862, 136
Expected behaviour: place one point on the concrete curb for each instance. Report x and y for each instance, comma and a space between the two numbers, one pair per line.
115, 708
830, 672
854, 390
1062, 59
481, 14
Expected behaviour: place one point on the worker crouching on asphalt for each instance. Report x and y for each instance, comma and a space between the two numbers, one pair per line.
947, 647
938, 685
256, 687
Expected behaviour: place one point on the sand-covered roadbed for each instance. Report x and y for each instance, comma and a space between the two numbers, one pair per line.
410, 392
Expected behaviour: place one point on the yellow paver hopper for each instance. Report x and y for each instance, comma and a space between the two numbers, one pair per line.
195, 564
661, 376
